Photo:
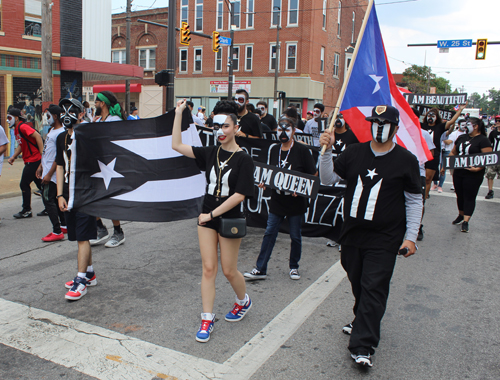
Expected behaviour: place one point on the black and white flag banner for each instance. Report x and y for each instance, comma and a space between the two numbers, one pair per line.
472, 160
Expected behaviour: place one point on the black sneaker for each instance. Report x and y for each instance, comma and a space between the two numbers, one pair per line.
255, 274
420, 236
465, 227
489, 195
43, 213
362, 359
347, 329
459, 220
23, 214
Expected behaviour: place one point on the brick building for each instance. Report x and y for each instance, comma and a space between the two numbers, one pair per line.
316, 39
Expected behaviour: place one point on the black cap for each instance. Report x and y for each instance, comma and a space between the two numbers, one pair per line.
54, 109
385, 112
133, 109
73, 101
16, 112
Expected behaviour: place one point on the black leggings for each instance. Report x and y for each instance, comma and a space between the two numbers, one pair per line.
56, 216
28, 176
466, 189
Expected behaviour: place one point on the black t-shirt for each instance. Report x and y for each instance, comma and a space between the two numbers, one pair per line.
265, 128
300, 159
63, 158
495, 140
250, 124
436, 131
236, 176
209, 122
300, 124
470, 145
374, 202
270, 121
342, 141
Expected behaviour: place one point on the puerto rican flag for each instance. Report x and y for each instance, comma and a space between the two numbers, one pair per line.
371, 84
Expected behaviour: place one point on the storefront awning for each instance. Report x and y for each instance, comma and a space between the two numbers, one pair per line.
116, 88
101, 71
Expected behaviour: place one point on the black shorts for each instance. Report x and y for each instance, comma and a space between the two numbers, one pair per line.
433, 165
81, 227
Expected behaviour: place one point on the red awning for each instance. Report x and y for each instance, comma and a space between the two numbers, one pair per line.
116, 88
98, 70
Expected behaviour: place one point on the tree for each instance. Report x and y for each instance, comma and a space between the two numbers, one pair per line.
494, 101
420, 78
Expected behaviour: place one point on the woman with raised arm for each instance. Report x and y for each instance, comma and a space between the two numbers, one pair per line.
229, 173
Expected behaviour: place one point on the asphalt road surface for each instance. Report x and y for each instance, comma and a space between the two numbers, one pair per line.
140, 321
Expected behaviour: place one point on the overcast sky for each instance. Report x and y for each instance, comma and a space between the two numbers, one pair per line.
427, 21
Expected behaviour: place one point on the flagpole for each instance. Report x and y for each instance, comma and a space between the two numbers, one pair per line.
349, 71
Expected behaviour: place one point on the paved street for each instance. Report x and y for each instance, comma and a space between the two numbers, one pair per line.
139, 322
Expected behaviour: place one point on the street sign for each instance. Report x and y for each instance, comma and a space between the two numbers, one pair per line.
224, 41
454, 43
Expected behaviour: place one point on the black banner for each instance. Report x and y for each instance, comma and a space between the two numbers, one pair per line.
437, 99
472, 160
445, 114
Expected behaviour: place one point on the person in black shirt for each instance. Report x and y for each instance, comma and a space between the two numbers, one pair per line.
266, 118
344, 137
249, 122
382, 203
468, 181
293, 156
229, 173
493, 170
436, 127
263, 126
81, 227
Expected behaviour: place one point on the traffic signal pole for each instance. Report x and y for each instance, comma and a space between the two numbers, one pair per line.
171, 50
231, 51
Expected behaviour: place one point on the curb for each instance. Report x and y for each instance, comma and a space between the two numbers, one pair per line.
10, 195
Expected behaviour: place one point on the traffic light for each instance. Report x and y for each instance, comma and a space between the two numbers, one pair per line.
215, 41
185, 34
481, 45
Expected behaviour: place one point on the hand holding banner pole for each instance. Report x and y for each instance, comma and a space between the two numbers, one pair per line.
348, 76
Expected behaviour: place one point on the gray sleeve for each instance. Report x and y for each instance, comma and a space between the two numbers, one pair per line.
326, 173
414, 204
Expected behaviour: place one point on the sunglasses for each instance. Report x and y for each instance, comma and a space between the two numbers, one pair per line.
240, 99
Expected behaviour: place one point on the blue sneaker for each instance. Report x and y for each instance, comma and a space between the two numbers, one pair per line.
203, 334
238, 311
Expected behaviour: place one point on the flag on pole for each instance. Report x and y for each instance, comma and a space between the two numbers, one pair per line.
127, 170
456, 107
371, 83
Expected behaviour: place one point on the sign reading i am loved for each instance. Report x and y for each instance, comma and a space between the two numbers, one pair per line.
472, 160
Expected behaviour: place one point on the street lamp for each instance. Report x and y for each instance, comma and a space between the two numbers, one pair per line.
275, 110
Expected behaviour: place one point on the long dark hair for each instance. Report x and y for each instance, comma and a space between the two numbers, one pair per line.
113, 100
227, 107
479, 123
438, 116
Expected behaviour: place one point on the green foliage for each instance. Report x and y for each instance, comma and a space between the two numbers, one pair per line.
421, 78
489, 104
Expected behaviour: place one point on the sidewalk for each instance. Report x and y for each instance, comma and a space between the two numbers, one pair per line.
10, 177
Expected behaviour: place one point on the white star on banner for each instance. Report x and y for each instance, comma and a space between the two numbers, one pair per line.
107, 172
371, 173
377, 79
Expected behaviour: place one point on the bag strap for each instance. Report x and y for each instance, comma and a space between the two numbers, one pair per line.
24, 137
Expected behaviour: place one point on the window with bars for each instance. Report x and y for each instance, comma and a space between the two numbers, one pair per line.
336, 61
183, 60
147, 58
291, 56
197, 59
248, 58
199, 16
293, 12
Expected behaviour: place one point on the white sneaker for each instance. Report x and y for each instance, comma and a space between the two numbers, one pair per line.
331, 243
294, 274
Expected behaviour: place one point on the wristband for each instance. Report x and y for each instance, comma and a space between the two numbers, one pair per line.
58, 196
211, 215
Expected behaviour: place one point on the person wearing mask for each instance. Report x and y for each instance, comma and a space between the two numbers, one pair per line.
134, 114
47, 174
382, 212
108, 109
461, 128
81, 227
30, 144
467, 181
291, 112
265, 117
264, 127
249, 122
287, 155
491, 171
229, 173
313, 126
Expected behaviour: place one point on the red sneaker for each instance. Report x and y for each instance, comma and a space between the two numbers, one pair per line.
64, 230
53, 237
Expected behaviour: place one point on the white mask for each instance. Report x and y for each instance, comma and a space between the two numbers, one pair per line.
468, 127
382, 132
219, 121
50, 119
11, 120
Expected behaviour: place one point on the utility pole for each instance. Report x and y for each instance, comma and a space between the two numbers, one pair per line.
47, 94
231, 52
276, 64
171, 49
127, 59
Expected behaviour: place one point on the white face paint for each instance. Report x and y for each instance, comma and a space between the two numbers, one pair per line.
50, 119
469, 127
381, 133
462, 126
11, 120
219, 122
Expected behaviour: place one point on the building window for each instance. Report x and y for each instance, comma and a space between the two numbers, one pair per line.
276, 13
119, 56
220, 14
250, 10
33, 18
184, 11
324, 14
336, 60
353, 25
218, 60
291, 56
322, 65
147, 58
248, 58
197, 59
237, 14
236, 58
183, 61
338, 18
272, 57
293, 12
199, 16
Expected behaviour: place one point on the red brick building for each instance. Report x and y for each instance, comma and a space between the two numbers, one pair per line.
315, 36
